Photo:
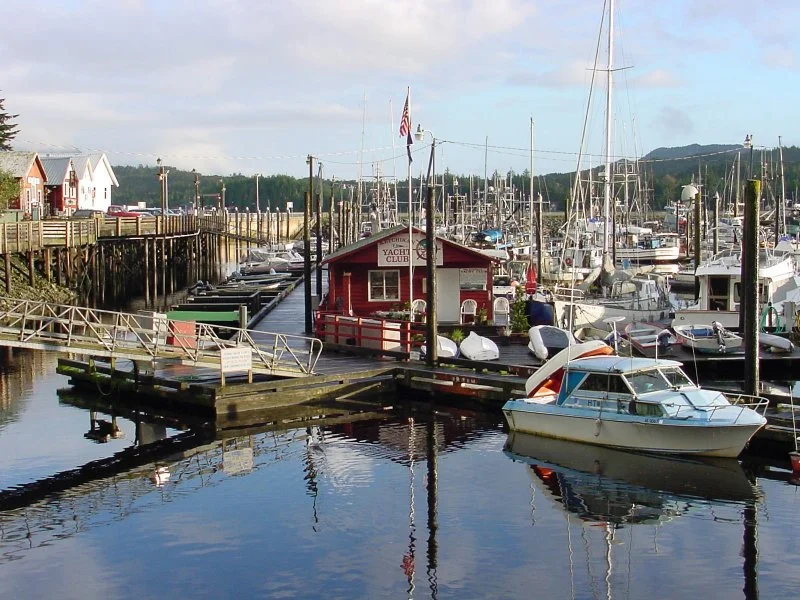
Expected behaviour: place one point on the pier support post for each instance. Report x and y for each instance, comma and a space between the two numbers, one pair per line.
7, 259
749, 305
431, 346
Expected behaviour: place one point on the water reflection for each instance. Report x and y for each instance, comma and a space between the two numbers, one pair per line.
604, 484
615, 489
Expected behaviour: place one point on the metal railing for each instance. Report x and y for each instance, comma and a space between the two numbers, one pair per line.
143, 337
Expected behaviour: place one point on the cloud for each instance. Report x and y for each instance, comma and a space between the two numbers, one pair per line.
659, 78
674, 121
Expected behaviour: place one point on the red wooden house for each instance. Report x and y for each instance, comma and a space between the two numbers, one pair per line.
373, 276
62, 184
27, 168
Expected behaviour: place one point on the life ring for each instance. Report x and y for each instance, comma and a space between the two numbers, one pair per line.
568, 260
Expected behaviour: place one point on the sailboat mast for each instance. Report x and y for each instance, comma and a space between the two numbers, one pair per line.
530, 203
609, 78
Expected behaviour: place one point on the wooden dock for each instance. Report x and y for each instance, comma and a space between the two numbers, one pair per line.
348, 374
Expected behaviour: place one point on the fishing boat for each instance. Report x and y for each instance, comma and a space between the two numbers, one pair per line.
478, 347
719, 280
708, 339
446, 348
545, 340
641, 404
650, 340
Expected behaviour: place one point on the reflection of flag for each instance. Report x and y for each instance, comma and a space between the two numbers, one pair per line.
405, 125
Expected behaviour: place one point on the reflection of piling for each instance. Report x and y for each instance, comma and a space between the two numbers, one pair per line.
748, 315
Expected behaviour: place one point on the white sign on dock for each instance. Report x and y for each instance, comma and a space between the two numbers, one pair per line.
236, 359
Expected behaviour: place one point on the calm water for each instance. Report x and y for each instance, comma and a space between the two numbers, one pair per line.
447, 506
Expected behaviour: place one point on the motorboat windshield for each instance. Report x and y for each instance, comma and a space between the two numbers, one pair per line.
658, 380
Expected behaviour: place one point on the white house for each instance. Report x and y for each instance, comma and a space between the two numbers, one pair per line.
96, 178
103, 179
85, 177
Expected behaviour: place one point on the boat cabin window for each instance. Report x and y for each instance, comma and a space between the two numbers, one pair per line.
645, 382
718, 293
677, 378
646, 409
604, 382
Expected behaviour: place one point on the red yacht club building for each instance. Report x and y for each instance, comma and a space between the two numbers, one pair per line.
373, 274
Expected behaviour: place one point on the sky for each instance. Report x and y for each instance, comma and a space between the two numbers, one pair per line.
254, 86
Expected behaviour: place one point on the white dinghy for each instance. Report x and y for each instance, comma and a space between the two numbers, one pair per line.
477, 347
446, 348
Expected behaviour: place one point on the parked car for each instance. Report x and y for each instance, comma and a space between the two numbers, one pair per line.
87, 213
116, 210
147, 212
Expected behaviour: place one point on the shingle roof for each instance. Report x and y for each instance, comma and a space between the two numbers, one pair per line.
17, 163
56, 169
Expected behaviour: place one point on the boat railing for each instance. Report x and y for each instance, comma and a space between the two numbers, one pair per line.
741, 401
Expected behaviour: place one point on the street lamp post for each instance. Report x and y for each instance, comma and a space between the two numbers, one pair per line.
431, 346
748, 143
196, 192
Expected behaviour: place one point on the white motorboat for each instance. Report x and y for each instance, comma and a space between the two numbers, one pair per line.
477, 347
545, 340
719, 282
446, 348
708, 339
641, 404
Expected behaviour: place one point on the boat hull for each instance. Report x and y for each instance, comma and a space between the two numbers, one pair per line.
620, 431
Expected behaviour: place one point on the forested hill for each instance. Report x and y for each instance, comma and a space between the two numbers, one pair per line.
665, 170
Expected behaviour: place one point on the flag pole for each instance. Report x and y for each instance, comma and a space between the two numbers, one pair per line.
410, 217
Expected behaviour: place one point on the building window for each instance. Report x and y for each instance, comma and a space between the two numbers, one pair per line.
66, 190
105, 193
384, 285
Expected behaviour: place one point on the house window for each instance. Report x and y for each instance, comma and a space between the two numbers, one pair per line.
105, 193
66, 190
384, 285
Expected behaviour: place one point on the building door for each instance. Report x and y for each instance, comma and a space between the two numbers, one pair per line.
448, 295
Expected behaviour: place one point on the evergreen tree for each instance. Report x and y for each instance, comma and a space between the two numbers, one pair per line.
7, 130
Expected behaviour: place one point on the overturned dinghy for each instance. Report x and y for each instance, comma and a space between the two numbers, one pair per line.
546, 340
446, 348
477, 347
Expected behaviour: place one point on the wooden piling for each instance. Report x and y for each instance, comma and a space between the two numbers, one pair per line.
749, 278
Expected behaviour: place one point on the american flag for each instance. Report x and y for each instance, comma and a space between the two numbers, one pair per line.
405, 126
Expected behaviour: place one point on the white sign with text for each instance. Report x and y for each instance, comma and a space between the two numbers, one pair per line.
393, 252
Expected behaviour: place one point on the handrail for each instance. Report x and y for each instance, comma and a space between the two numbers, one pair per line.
80, 330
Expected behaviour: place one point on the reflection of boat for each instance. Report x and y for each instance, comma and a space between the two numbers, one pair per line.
610, 481
546, 340
634, 403
708, 339
477, 347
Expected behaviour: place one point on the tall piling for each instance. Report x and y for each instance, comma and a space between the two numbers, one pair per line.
749, 278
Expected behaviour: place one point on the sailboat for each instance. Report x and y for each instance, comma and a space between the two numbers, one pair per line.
637, 297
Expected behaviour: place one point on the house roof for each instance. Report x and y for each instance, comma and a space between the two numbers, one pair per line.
99, 158
387, 233
82, 164
56, 169
16, 162
95, 160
